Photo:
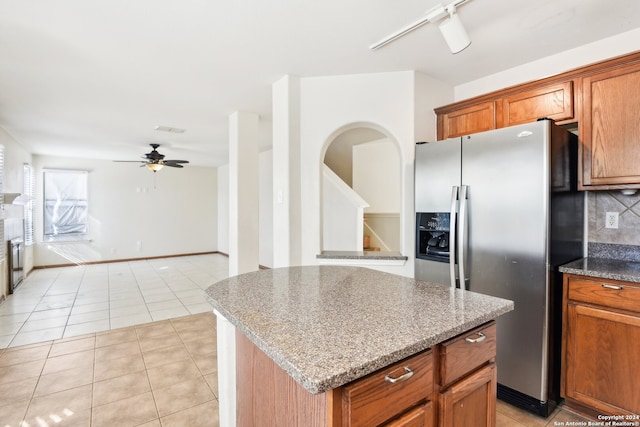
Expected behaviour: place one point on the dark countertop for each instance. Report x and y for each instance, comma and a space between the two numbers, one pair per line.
604, 268
329, 325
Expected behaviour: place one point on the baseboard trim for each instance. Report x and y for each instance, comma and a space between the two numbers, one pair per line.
126, 260
260, 266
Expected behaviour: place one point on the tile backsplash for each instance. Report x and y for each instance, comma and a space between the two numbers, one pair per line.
627, 235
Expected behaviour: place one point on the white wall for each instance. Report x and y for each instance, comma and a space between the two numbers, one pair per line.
398, 104
223, 209
342, 214
265, 196
176, 214
376, 175
265, 238
574, 58
15, 156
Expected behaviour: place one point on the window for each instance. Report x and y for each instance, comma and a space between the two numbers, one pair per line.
66, 212
29, 191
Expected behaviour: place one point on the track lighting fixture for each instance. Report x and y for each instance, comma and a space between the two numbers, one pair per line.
454, 33
452, 29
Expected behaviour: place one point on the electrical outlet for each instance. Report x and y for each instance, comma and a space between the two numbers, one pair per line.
611, 220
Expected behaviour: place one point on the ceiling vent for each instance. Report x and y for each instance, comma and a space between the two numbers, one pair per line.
170, 129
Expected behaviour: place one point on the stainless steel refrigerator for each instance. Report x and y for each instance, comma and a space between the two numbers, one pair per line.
496, 213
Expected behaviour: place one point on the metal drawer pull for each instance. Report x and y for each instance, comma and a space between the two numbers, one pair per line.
617, 288
403, 377
481, 337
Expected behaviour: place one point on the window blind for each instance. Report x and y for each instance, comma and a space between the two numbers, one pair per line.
29, 191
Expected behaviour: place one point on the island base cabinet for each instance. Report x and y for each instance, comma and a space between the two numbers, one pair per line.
414, 392
267, 396
471, 401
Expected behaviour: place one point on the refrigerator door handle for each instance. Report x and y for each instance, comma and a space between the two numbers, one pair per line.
452, 235
462, 228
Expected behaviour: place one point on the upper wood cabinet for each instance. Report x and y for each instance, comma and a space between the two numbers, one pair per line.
601, 100
553, 101
610, 128
465, 121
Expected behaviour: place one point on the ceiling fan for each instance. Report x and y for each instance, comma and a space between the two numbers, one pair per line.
155, 161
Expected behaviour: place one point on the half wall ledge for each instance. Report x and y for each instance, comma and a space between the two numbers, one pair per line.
361, 258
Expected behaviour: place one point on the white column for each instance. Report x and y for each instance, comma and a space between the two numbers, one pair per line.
226, 341
243, 244
287, 223
243, 193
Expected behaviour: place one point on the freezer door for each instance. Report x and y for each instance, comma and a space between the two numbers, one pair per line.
437, 177
437, 170
506, 174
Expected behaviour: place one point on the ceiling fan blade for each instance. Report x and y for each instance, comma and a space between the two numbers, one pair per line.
155, 160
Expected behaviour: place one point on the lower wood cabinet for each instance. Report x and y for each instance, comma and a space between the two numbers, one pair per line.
471, 401
391, 393
421, 416
601, 346
468, 379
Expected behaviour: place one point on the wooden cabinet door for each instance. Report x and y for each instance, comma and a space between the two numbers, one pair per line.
610, 129
466, 121
471, 401
602, 359
422, 416
552, 101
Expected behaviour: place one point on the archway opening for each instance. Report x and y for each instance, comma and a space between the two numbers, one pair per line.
361, 192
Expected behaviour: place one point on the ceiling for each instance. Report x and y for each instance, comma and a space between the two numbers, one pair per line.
92, 79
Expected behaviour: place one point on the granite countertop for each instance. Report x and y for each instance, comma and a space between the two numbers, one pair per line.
604, 268
329, 325
361, 255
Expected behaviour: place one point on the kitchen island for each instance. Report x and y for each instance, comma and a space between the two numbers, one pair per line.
305, 335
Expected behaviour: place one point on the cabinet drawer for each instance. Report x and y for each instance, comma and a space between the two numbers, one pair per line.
466, 352
608, 293
375, 398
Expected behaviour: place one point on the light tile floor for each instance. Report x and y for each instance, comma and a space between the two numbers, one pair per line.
58, 369
63, 302
156, 374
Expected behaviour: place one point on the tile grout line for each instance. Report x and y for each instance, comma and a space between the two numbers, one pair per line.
146, 374
34, 308
198, 268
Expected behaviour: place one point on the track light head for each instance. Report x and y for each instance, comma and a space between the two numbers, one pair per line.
454, 33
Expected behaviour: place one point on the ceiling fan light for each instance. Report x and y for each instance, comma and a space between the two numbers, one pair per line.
155, 167
454, 34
